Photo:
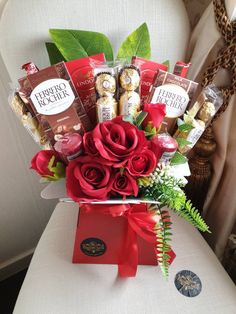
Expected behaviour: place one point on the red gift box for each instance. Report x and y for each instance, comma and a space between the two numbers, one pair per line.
119, 234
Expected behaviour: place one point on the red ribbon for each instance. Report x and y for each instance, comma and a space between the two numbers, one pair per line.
140, 222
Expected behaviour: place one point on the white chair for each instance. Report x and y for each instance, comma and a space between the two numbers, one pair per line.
53, 284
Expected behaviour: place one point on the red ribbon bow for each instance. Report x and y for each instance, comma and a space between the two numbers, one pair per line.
140, 222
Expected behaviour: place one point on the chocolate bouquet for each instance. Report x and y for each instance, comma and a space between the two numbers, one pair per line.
118, 132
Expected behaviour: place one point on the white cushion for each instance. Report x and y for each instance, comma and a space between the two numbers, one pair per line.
53, 285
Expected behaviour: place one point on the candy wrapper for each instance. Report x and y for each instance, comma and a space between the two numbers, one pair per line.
30, 122
129, 98
81, 72
199, 117
106, 86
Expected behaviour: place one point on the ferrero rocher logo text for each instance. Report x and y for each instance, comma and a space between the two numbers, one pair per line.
52, 94
175, 98
171, 99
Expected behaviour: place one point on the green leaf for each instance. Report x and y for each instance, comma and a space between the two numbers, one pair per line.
150, 130
54, 54
149, 127
136, 44
58, 170
178, 159
143, 181
185, 127
191, 214
129, 119
182, 141
140, 117
74, 44
167, 63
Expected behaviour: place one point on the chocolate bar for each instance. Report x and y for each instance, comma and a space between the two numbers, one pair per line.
81, 72
54, 101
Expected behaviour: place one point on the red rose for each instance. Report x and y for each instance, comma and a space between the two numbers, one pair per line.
156, 114
142, 164
117, 140
89, 146
40, 163
88, 180
125, 184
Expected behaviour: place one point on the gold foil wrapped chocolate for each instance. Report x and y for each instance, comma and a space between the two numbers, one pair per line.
30, 123
106, 108
129, 78
199, 116
18, 106
105, 84
129, 103
35, 129
206, 112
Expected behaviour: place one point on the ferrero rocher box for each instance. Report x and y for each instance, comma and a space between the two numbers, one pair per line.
174, 91
52, 98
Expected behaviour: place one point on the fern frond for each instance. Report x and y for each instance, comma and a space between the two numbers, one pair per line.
191, 214
163, 234
169, 194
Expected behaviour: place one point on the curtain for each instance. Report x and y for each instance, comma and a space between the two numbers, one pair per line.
220, 206
195, 8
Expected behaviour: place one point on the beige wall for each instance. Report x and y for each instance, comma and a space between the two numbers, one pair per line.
23, 214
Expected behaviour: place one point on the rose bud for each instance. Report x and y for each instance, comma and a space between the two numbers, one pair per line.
125, 184
48, 165
156, 114
142, 164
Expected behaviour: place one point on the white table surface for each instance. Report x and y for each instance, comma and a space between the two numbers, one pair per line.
53, 285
